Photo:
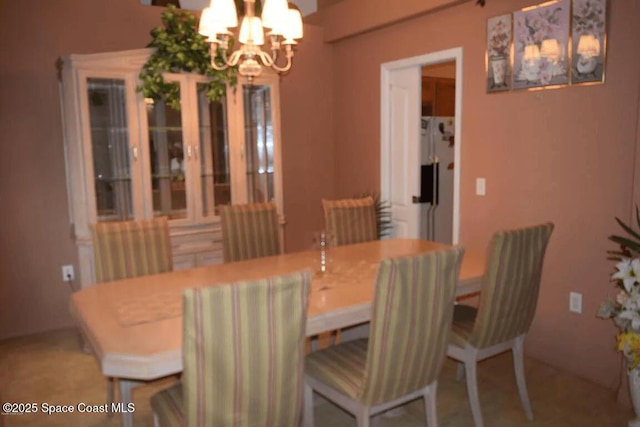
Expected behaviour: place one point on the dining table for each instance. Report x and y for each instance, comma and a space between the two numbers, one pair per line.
134, 326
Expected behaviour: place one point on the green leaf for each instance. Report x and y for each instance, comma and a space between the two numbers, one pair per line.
179, 48
628, 229
627, 243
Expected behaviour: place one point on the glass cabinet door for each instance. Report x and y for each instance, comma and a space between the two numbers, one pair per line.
259, 141
110, 148
255, 141
167, 160
189, 153
213, 145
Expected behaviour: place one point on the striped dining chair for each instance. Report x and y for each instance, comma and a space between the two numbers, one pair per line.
507, 305
249, 231
126, 249
410, 326
351, 220
243, 356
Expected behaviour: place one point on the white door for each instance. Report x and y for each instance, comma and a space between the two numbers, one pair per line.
400, 134
404, 151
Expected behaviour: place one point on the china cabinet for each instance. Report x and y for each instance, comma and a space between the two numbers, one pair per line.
130, 158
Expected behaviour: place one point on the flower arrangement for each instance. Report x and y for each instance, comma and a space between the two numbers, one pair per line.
625, 309
588, 17
535, 26
535, 31
500, 37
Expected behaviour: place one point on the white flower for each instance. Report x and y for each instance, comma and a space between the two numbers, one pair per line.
633, 303
628, 272
633, 316
607, 309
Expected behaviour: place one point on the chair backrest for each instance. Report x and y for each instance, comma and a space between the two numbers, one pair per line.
125, 249
510, 284
243, 352
249, 231
411, 320
351, 220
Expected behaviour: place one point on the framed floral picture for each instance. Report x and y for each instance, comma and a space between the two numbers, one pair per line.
588, 35
498, 60
541, 41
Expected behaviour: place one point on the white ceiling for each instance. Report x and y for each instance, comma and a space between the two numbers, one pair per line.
306, 6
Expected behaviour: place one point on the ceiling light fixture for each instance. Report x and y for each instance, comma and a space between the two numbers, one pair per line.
285, 26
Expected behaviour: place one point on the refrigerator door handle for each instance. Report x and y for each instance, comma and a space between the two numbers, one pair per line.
436, 184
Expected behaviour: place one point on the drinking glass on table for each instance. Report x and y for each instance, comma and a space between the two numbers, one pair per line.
322, 242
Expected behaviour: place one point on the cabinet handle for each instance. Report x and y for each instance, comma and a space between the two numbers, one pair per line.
189, 152
196, 152
135, 153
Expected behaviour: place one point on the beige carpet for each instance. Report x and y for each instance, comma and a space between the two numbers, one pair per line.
51, 368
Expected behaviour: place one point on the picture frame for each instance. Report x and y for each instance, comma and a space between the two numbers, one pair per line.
541, 45
498, 55
589, 36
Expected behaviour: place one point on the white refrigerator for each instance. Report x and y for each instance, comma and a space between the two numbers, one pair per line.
436, 195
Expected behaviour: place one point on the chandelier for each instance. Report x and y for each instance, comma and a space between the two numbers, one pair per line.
284, 23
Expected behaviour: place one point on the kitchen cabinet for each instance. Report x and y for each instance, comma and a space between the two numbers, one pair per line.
130, 158
438, 96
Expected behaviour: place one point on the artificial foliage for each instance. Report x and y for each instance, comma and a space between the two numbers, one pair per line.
383, 213
178, 47
629, 244
624, 308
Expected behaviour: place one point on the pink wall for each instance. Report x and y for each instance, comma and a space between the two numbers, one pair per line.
35, 228
308, 146
565, 155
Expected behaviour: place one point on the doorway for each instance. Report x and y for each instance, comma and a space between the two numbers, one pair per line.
401, 151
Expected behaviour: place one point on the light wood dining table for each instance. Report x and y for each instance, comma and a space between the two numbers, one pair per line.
134, 326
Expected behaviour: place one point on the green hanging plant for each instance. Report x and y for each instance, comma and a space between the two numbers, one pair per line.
178, 47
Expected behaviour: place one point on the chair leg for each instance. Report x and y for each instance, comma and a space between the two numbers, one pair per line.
430, 412
459, 371
307, 409
332, 338
363, 418
472, 391
156, 420
110, 394
518, 365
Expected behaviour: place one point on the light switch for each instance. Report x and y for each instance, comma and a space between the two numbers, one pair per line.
481, 186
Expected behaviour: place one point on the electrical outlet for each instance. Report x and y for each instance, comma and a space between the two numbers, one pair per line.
67, 273
575, 302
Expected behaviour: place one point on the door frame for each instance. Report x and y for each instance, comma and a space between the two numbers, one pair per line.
386, 69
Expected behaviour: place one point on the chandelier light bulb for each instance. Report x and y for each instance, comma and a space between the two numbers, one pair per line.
251, 31
223, 14
293, 28
274, 13
285, 26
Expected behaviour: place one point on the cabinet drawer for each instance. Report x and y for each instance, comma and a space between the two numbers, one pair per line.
184, 262
209, 258
195, 243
